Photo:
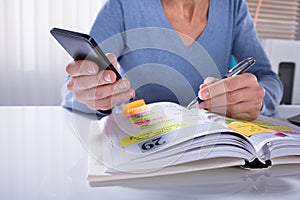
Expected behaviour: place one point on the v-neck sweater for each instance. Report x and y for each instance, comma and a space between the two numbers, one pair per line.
161, 68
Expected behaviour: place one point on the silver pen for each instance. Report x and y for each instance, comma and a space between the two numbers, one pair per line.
237, 69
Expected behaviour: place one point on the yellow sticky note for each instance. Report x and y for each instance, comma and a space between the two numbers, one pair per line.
247, 128
151, 133
134, 107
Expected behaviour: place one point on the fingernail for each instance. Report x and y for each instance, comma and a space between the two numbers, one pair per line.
202, 105
204, 94
91, 70
122, 85
107, 78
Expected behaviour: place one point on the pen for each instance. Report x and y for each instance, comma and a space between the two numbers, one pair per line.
237, 69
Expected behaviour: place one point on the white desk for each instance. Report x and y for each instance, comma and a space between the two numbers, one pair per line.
43, 156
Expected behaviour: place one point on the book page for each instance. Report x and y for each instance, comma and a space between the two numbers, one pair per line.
268, 135
163, 123
161, 136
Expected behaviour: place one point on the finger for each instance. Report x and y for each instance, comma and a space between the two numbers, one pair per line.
82, 67
113, 59
249, 109
244, 107
235, 98
239, 81
104, 77
217, 101
70, 84
208, 81
110, 102
228, 84
104, 91
130, 94
245, 116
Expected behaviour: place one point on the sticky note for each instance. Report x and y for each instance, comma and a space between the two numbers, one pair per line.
135, 111
151, 133
247, 128
134, 107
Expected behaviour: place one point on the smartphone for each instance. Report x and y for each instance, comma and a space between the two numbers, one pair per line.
82, 46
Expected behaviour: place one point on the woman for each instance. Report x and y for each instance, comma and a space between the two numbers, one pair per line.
170, 31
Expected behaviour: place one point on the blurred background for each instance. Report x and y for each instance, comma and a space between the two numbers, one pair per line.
32, 64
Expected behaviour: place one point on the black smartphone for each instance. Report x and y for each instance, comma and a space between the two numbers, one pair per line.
82, 46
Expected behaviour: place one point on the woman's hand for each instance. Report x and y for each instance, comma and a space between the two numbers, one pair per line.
237, 97
99, 90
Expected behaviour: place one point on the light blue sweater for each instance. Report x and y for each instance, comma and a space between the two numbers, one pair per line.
161, 68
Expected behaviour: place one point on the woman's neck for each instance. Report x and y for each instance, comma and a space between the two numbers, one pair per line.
187, 17
187, 9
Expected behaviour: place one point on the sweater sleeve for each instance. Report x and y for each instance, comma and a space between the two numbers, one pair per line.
107, 31
247, 44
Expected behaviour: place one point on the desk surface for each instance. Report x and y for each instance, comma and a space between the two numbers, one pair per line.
43, 156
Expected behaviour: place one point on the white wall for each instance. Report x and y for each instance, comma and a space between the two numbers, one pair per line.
285, 51
31, 61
